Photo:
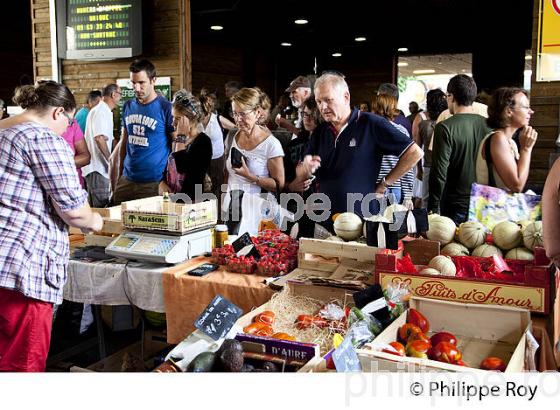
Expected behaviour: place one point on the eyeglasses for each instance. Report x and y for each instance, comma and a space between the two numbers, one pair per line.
242, 114
308, 115
523, 107
70, 119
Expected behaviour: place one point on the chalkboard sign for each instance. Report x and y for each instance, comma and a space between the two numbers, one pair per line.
218, 318
345, 358
244, 246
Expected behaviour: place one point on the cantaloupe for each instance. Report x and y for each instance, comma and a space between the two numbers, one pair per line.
532, 235
442, 229
334, 239
507, 235
348, 226
521, 254
455, 249
486, 250
430, 271
444, 265
472, 234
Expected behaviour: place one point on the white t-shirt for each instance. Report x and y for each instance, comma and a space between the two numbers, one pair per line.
99, 122
257, 161
214, 131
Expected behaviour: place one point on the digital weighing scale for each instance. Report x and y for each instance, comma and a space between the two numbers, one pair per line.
159, 247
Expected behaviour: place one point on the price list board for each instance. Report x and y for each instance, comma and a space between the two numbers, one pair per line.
97, 25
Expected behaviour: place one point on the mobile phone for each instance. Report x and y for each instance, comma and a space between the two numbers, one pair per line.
203, 269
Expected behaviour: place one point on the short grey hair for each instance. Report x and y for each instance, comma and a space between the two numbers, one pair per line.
333, 80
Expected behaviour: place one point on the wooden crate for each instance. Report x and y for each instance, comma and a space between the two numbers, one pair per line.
156, 214
481, 331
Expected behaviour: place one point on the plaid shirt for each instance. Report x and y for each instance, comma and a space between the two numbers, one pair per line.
36, 170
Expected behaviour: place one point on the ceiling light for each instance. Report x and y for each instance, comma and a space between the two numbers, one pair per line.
301, 21
402, 49
529, 57
337, 54
216, 28
360, 39
286, 44
428, 71
402, 64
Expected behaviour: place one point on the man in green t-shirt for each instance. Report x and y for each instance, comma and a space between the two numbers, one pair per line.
456, 143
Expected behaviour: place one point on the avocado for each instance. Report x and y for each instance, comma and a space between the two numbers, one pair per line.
202, 363
231, 360
231, 344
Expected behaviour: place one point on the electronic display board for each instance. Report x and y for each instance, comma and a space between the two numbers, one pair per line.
99, 29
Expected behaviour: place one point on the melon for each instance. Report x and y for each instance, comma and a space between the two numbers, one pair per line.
442, 229
523, 224
430, 271
521, 254
348, 226
507, 235
532, 235
472, 234
444, 265
486, 250
334, 239
455, 249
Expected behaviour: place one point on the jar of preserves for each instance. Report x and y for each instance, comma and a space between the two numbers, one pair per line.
221, 235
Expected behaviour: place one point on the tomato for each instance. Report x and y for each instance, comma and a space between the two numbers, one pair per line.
445, 352
266, 317
283, 336
493, 363
418, 319
443, 337
418, 348
259, 329
406, 330
419, 336
306, 321
461, 363
396, 348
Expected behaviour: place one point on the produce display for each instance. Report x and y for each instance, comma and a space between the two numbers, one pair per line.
444, 265
277, 250
348, 226
442, 229
414, 340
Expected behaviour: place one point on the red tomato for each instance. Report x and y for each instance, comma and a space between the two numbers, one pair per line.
266, 317
493, 363
406, 330
445, 352
418, 348
461, 363
418, 319
419, 336
443, 337
398, 349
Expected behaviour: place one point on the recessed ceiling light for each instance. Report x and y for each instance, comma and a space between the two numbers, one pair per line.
301, 21
337, 54
402, 64
529, 57
402, 49
428, 71
360, 39
216, 28
286, 44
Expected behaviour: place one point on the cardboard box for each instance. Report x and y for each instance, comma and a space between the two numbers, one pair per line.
534, 292
481, 330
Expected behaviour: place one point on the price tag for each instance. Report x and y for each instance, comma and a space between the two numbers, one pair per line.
218, 318
244, 246
345, 358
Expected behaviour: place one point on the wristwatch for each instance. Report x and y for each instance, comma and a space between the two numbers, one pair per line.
181, 138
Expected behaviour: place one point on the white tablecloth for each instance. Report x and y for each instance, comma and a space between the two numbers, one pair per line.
116, 283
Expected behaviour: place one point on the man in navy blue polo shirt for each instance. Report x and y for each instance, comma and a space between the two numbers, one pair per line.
345, 152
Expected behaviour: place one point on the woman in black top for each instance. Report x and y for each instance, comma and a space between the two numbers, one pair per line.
190, 158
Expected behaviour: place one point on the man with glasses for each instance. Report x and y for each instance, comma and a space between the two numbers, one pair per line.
455, 146
99, 138
147, 132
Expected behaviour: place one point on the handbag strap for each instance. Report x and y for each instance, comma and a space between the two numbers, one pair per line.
488, 157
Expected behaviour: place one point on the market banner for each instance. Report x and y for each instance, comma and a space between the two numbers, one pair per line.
548, 63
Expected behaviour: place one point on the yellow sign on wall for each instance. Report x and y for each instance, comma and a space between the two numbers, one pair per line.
548, 63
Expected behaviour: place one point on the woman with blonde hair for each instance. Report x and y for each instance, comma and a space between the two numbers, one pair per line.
386, 106
190, 158
255, 161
